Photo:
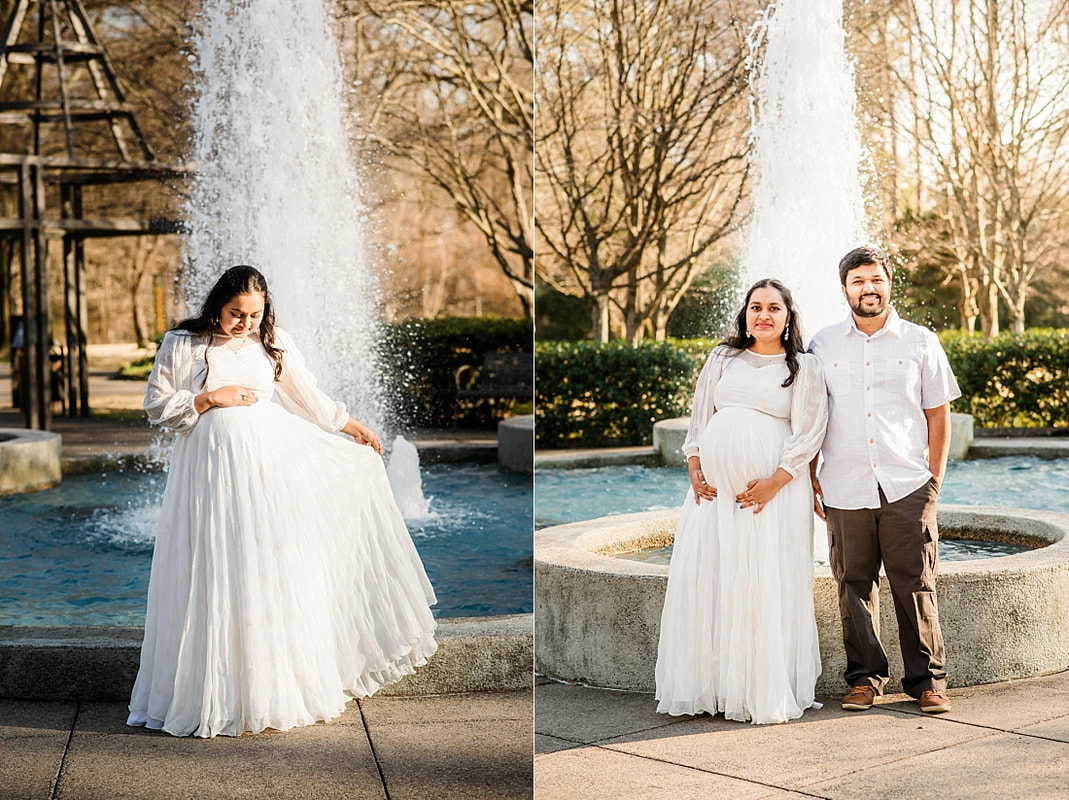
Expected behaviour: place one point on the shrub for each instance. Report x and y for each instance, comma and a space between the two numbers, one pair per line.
561, 316
137, 370
423, 356
1012, 380
589, 393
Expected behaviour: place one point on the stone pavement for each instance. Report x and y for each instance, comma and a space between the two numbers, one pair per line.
425, 748
1005, 740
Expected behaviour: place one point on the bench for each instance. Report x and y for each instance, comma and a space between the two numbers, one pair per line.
508, 375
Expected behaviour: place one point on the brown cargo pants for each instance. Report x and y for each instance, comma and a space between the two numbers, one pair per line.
903, 537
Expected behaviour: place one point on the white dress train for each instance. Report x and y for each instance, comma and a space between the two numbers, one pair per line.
284, 581
738, 631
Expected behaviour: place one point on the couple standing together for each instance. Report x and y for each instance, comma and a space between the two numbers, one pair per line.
738, 630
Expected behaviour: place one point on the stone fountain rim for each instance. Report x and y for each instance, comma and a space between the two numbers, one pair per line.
30, 460
574, 545
476, 654
13, 435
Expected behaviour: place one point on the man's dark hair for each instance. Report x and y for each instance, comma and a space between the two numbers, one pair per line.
860, 256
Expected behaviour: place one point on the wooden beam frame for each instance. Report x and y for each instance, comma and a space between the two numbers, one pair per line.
62, 38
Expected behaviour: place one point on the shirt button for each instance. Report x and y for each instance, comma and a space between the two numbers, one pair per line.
866, 388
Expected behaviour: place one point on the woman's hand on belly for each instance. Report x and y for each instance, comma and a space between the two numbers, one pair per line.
698, 482
224, 397
759, 492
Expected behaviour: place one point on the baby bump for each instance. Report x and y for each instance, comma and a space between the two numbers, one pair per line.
233, 431
741, 444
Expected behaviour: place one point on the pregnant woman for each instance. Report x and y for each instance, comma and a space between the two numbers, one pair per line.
738, 632
284, 581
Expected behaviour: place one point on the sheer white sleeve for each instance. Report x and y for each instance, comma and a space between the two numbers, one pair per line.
168, 398
809, 416
703, 409
299, 393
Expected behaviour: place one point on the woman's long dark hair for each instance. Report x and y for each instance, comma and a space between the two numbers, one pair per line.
740, 338
241, 279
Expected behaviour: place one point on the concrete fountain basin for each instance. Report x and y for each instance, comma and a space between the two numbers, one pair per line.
29, 460
597, 618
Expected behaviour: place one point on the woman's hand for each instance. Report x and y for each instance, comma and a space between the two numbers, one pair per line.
697, 481
225, 397
760, 492
362, 435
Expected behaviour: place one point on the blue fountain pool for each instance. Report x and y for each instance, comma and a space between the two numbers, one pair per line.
571, 495
80, 554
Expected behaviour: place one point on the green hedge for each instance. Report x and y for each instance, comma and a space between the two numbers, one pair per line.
588, 393
611, 394
423, 357
1012, 380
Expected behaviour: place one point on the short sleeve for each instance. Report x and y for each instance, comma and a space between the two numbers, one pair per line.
703, 406
299, 393
809, 416
938, 384
168, 398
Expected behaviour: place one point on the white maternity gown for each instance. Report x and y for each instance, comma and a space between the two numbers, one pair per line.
284, 581
738, 631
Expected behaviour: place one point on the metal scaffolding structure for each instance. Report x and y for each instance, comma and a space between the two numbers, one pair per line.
61, 102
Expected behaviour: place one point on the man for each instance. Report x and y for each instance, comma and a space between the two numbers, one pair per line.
889, 392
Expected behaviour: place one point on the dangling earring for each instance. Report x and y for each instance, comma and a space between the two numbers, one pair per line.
748, 334
786, 332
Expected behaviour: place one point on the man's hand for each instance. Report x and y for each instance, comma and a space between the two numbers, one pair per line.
818, 499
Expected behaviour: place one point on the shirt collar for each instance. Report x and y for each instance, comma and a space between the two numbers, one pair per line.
893, 326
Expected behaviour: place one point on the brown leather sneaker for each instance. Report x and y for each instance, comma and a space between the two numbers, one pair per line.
860, 698
934, 701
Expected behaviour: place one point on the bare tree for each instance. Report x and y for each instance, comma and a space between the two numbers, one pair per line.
641, 152
451, 84
986, 91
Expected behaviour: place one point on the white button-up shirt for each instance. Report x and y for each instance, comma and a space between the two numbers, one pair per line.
878, 389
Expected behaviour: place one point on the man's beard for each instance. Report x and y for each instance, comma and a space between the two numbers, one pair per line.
869, 311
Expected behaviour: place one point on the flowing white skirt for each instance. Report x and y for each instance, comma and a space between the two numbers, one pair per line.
738, 631
283, 583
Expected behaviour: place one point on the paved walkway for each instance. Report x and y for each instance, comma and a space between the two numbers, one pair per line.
1006, 740
460, 746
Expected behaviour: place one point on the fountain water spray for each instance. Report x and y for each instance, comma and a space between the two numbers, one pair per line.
276, 186
405, 480
808, 204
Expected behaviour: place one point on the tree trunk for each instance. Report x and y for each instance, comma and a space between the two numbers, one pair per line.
1017, 314
602, 331
140, 331
989, 309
